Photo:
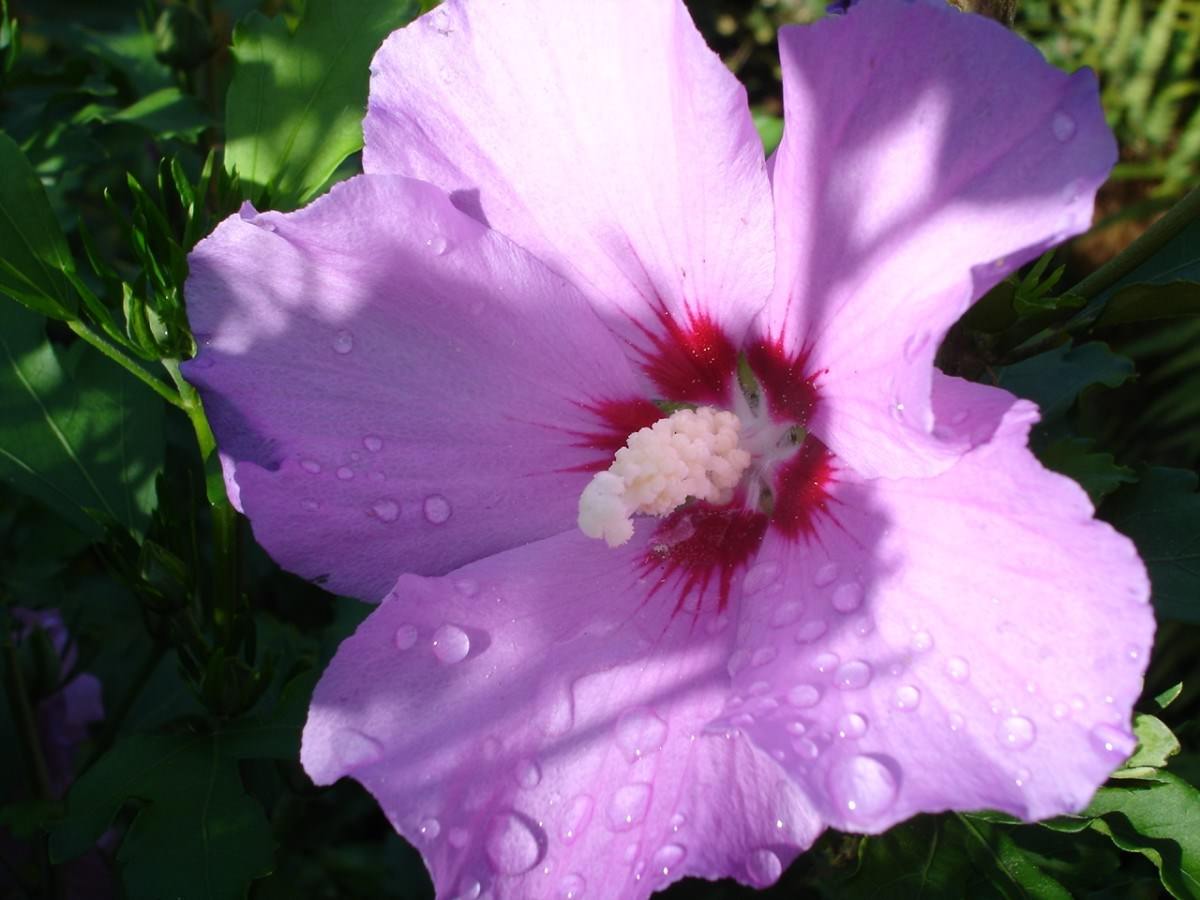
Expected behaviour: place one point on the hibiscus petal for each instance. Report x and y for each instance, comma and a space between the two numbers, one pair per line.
974, 640
604, 137
533, 723
381, 370
927, 153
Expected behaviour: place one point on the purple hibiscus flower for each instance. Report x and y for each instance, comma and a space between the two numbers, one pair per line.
570, 294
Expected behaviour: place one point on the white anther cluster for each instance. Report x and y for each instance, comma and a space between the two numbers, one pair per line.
688, 454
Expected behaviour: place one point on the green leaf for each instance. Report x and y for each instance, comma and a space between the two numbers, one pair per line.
948, 857
295, 104
1056, 378
166, 113
1147, 302
76, 431
770, 130
1161, 513
196, 834
1158, 817
1156, 744
1097, 473
1169, 696
35, 249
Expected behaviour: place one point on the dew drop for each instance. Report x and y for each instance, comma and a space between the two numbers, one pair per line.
343, 342
810, 631
825, 662
804, 696
355, 749
760, 576
405, 637
922, 641
1023, 776
907, 697
628, 806
345, 473
958, 669
528, 773
762, 656
373, 443
1112, 740
429, 829
826, 575
511, 845
468, 587
851, 726
1063, 126
437, 509
862, 786
863, 626
571, 887
458, 838
1016, 733
853, 675
437, 245
470, 889
666, 858
451, 644
957, 722
385, 510
847, 597
796, 727
787, 614
805, 748
1060, 711
308, 504
763, 867
640, 731
717, 624
576, 818
311, 466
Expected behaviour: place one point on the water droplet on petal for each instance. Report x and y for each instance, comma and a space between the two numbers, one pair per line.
345, 473
385, 510
470, 889
907, 697
468, 587
1113, 740
958, 669
862, 786
667, 858
571, 887
437, 245
826, 575
640, 731
458, 838
853, 675
810, 631
343, 342
628, 806
851, 726
1016, 733
957, 722
373, 443
576, 818
311, 466
847, 597
959, 417
717, 624
451, 644
1023, 776
528, 773
355, 749
405, 637
1063, 126
922, 641
512, 847
763, 867
787, 614
805, 748
762, 656
308, 504
430, 829
825, 662
437, 509
760, 576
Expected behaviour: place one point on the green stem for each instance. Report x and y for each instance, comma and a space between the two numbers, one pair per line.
125, 362
26, 721
226, 587
1150, 242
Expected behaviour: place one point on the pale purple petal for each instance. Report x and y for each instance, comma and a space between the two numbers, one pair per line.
604, 137
535, 724
394, 386
926, 154
975, 640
